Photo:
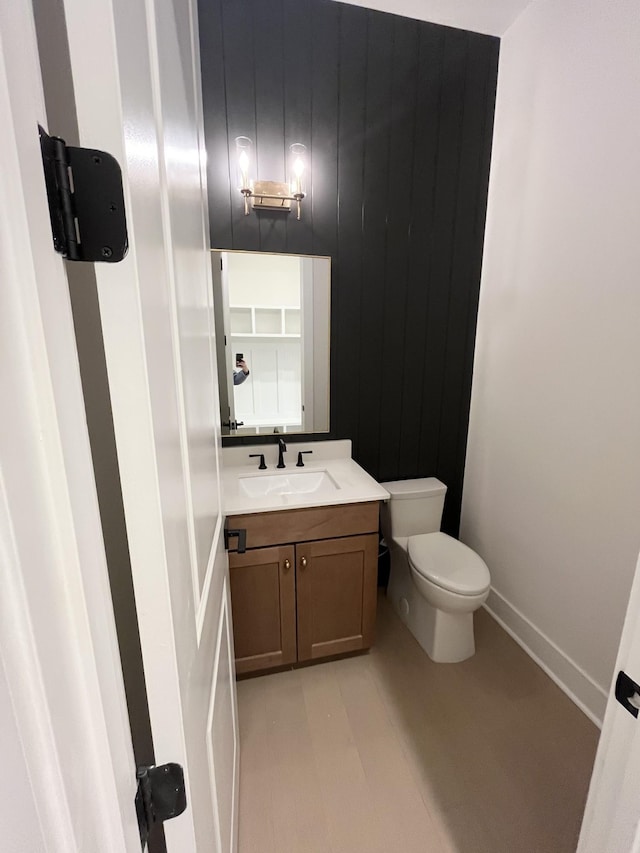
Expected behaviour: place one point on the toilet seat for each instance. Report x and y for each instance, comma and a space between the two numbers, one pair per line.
448, 563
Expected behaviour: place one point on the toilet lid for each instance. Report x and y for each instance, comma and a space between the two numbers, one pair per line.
448, 563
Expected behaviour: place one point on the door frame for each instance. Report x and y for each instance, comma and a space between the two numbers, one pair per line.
58, 644
55, 65
611, 822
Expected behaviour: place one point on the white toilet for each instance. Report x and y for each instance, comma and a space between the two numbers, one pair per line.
436, 582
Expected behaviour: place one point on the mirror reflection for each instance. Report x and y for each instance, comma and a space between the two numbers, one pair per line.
272, 338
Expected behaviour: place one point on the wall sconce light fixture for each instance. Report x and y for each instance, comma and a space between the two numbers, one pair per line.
271, 195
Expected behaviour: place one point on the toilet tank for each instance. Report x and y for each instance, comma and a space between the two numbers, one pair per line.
415, 507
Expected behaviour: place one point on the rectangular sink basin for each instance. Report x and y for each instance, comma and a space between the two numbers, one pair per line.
294, 483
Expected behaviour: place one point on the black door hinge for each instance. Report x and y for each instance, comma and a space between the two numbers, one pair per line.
628, 693
161, 795
86, 201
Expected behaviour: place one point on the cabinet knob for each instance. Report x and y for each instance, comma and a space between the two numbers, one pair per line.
287, 565
303, 562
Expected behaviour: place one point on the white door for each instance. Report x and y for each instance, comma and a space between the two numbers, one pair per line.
136, 76
68, 775
612, 817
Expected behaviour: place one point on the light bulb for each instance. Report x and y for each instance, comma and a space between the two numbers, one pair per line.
244, 168
243, 152
297, 165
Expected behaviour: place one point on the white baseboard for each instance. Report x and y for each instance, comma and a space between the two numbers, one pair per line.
589, 696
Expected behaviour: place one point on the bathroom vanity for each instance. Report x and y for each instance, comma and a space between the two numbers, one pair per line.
305, 587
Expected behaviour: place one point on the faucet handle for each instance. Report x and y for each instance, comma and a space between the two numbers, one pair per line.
300, 462
261, 466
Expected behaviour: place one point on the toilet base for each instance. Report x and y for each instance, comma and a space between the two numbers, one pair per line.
445, 637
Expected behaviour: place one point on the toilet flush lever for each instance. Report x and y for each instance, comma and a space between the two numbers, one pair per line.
628, 693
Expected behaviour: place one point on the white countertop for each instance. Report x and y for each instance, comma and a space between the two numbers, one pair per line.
334, 457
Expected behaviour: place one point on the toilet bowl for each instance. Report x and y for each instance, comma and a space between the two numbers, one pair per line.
436, 582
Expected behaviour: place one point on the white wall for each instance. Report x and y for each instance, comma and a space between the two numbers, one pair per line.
552, 483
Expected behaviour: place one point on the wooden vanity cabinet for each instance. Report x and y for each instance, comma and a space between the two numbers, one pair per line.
263, 605
309, 598
336, 586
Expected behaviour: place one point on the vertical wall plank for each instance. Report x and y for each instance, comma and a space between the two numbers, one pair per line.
215, 122
297, 46
398, 117
325, 26
325, 53
239, 75
371, 398
441, 243
345, 344
402, 152
268, 55
423, 213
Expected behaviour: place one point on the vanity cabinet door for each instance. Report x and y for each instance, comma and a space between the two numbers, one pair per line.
336, 582
263, 605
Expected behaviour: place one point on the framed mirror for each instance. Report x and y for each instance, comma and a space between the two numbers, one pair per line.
273, 341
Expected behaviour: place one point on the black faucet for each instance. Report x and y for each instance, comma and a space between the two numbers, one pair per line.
261, 466
281, 449
300, 462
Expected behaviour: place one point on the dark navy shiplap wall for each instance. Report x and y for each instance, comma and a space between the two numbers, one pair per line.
398, 116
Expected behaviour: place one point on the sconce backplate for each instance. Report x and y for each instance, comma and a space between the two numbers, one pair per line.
271, 195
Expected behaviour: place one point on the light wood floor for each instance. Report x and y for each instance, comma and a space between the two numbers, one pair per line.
389, 752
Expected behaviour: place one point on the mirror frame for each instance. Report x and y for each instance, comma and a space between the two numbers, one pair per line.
269, 438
